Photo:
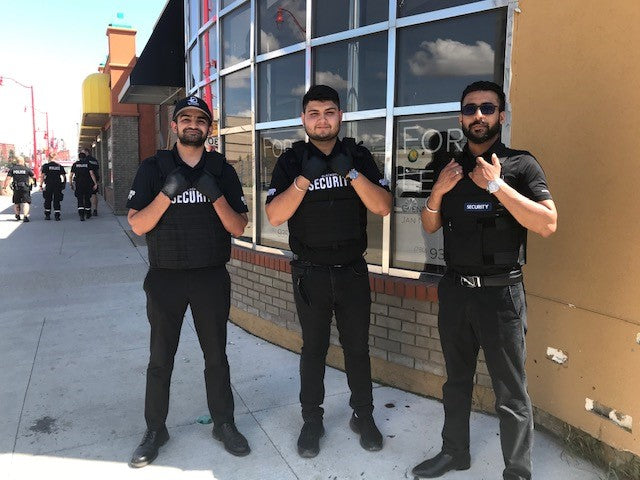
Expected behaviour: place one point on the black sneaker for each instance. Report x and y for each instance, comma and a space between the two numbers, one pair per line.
95, 212
234, 442
88, 214
17, 217
81, 216
47, 216
57, 217
26, 219
147, 451
370, 436
309, 439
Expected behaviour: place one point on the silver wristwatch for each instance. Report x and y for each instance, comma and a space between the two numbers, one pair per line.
495, 185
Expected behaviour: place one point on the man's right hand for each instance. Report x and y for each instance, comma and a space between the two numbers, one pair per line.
448, 178
313, 167
176, 183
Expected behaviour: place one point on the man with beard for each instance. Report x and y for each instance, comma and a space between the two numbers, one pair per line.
486, 200
188, 202
323, 189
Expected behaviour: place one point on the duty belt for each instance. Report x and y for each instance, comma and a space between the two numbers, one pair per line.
500, 280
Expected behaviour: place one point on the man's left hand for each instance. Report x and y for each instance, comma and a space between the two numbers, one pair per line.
208, 186
484, 172
341, 164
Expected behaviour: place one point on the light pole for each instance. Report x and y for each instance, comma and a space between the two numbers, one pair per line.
33, 123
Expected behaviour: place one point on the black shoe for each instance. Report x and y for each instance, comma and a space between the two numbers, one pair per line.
370, 436
309, 439
88, 214
17, 217
57, 217
234, 441
95, 212
147, 451
25, 219
47, 216
441, 464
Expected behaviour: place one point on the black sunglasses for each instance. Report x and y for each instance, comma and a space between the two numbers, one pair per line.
472, 108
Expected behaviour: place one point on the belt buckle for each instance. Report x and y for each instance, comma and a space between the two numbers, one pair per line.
471, 281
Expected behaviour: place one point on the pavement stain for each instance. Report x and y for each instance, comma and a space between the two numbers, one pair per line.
45, 424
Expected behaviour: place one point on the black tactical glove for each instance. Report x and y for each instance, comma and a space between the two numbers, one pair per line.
341, 164
207, 184
176, 183
313, 167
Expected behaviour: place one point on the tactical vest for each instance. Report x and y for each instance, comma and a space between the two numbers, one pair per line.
20, 179
479, 231
52, 172
189, 235
330, 223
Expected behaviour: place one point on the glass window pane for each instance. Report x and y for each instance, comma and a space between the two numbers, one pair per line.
236, 33
281, 87
226, 3
437, 60
281, 22
420, 140
331, 16
209, 12
238, 149
236, 98
194, 67
194, 18
208, 52
272, 144
413, 7
357, 69
371, 134
208, 93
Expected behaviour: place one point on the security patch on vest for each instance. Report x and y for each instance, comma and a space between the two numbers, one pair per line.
478, 207
384, 182
191, 196
271, 191
328, 181
131, 194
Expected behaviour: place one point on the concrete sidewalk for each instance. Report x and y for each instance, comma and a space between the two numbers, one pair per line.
74, 347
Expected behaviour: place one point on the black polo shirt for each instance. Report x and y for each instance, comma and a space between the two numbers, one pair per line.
149, 181
52, 172
20, 174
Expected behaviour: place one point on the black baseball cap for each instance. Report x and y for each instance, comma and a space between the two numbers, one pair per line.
192, 102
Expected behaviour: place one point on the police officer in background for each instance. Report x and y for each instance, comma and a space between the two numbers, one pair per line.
323, 188
485, 201
94, 165
188, 202
84, 183
54, 179
22, 179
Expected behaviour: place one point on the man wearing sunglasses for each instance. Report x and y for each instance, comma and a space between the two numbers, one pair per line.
485, 201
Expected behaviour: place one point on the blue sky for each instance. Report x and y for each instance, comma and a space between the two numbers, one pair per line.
54, 45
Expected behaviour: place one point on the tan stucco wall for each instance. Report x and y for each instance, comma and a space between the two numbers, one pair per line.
574, 98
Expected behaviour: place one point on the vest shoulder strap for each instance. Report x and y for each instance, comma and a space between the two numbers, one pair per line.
165, 161
351, 146
300, 150
214, 163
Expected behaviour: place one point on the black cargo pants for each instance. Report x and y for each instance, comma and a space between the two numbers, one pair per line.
52, 193
169, 292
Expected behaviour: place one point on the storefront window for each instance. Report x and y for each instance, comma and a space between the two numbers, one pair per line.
226, 3
208, 93
236, 32
194, 67
236, 95
357, 69
208, 52
371, 134
281, 23
413, 7
238, 149
421, 142
194, 18
331, 16
437, 60
281, 87
272, 144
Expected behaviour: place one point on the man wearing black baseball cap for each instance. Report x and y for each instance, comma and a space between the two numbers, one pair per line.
188, 202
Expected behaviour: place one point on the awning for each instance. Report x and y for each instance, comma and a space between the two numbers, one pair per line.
159, 72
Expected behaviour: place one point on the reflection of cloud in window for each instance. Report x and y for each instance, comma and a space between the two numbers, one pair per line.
371, 139
268, 41
332, 79
244, 113
298, 91
450, 57
238, 79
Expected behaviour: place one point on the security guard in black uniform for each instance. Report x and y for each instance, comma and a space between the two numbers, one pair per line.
83, 181
54, 179
188, 203
95, 166
485, 201
22, 179
323, 189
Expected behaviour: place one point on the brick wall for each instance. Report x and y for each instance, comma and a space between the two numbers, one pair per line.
124, 155
404, 322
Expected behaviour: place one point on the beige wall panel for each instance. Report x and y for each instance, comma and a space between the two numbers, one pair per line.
603, 364
575, 98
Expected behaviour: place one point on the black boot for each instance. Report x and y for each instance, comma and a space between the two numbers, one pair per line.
309, 439
440, 464
370, 436
95, 212
17, 216
47, 216
147, 451
81, 213
234, 442
87, 213
25, 219
56, 216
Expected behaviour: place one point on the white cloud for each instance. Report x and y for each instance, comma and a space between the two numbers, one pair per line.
268, 42
332, 79
239, 79
450, 57
298, 91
